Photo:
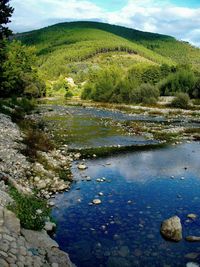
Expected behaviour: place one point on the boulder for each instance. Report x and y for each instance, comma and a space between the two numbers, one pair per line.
11, 222
171, 229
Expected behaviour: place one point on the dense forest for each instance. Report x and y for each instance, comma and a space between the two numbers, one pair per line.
107, 63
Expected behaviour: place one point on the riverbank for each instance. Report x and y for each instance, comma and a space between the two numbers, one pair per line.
20, 247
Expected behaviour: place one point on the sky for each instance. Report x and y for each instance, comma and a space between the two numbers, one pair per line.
178, 18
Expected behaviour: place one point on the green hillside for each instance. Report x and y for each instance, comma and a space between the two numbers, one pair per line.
71, 47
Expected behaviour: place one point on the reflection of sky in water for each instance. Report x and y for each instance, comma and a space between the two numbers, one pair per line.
123, 233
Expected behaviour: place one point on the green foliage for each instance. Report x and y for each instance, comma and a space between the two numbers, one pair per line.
145, 93
59, 46
181, 81
109, 85
5, 14
31, 211
181, 101
20, 76
196, 89
64, 44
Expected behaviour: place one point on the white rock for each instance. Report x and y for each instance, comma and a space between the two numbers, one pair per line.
82, 167
192, 216
96, 201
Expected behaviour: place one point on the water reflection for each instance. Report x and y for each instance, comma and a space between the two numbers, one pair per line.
140, 190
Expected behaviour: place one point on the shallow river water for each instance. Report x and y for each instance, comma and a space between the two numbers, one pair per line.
138, 190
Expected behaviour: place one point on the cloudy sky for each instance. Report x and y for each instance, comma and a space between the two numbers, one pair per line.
179, 18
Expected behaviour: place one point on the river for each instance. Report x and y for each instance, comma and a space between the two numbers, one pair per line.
137, 189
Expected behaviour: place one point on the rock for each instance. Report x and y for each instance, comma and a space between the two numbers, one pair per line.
192, 216
38, 238
77, 155
82, 167
49, 226
192, 264
192, 255
118, 262
124, 251
11, 221
41, 185
51, 203
171, 229
192, 238
55, 255
96, 201
37, 179
101, 194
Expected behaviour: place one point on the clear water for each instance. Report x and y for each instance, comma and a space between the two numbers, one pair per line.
138, 194
90, 128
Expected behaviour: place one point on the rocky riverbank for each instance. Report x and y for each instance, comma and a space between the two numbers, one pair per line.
20, 247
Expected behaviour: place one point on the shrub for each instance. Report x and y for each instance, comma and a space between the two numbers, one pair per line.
145, 93
68, 94
181, 101
181, 81
31, 211
36, 140
196, 89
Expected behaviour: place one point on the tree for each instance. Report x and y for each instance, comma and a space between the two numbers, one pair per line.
5, 14
20, 77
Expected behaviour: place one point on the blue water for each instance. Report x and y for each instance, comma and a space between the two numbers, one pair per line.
138, 194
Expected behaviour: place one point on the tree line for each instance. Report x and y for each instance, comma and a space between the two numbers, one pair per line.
141, 83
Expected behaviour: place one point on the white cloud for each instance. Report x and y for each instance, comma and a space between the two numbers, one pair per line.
146, 15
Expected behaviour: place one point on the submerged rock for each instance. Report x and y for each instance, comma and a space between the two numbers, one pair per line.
192, 255
193, 238
192, 216
171, 229
192, 264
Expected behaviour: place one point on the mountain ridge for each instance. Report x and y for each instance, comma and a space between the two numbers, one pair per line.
79, 41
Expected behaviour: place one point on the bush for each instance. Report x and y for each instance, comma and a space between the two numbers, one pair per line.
145, 93
31, 211
181, 81
36, 140
181, 101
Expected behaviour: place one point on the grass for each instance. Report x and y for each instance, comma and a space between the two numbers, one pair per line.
165, 136
31, 211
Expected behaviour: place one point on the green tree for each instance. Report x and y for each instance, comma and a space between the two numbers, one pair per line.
5, 14
20, 77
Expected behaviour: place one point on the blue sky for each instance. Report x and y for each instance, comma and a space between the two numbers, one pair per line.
179, 18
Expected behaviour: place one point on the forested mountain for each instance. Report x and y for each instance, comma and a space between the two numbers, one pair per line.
60, 45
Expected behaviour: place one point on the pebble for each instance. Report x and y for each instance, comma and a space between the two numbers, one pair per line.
96, 201
192, 216
82, 167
